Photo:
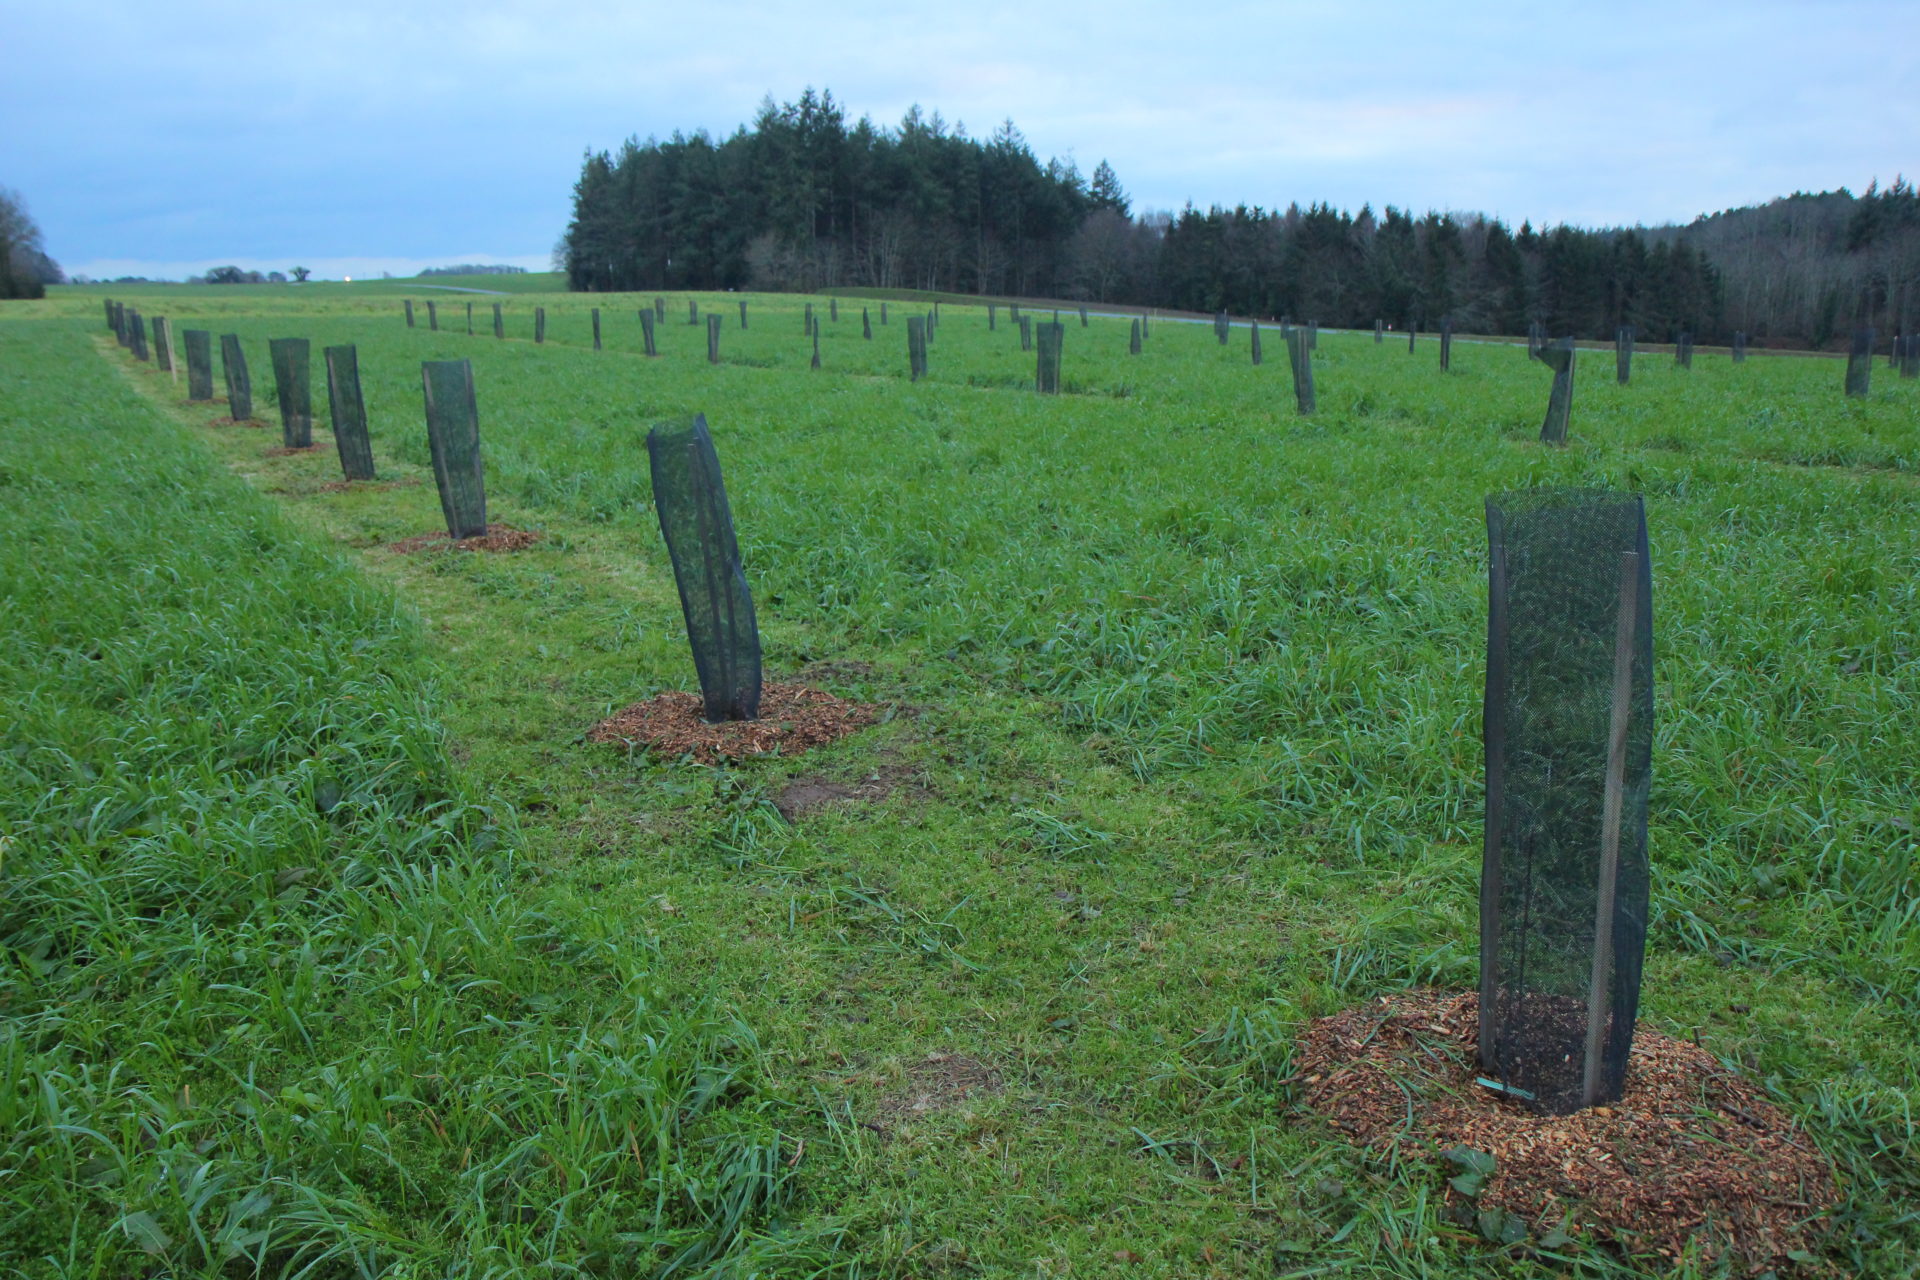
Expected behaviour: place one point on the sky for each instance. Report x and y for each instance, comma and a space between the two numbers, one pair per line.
163, 137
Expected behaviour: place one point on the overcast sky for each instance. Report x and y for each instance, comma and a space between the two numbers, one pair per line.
165, 136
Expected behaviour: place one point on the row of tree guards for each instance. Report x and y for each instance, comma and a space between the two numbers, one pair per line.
1568, 709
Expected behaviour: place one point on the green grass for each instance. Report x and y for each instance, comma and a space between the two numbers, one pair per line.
1190, 695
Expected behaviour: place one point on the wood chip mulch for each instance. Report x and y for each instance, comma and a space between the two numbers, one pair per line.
793, 718
283, 451
498, 537
1692, 1156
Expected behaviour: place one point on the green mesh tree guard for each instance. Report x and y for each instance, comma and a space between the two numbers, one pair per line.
816, 349
1146, 329
433, 316
916, 348
1683, 351
1013, 312
349, 413
1568, 736
469, 319
993, 317
596, 328
1446, 343
646, 333
162, 344
1133, 338
1558, 356
539, 324
697, 523
293, 389
120, 324
1860, 363
137, 334
233, 365
866, 325
1026, 333
659, 308
693, 312
1300, 361
743, 313
453, 438
806, 320
1253, 346
1536, 339
1413, 333
1083, 317
1910, 357
1046, 373
1623, 354
833, 310
713, 339
1220, 326
1379, 332
1313, 335
409, 306
883, 313
199, 344
1739, 346
499, 323
108, 304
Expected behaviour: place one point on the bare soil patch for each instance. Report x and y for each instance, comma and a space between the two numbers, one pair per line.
793, 718
367, 486
803, 795
498, 537
283, 451
255, 423
1691, 1154
938, 1082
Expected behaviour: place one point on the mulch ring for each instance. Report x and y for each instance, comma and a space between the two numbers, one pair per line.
286, 451
793, 718
498, 537
1692, 1156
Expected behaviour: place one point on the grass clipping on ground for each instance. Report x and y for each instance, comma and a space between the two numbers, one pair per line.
793, 718
1690, 1158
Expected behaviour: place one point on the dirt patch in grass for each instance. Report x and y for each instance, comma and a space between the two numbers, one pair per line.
366, 486
793, 718
803, 795
255, 423
938, 1082
1692, 1154
283, 451
498, 537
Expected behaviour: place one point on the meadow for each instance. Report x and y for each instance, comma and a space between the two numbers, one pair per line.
330, 947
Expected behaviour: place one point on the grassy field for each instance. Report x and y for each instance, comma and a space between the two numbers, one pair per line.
1185, 752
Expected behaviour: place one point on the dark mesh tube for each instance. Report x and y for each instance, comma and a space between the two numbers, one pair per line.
806, 319
1446, 343
993, 317
883, 313
1046, 375
469, 319
1910, 357
409, 306
1300, 359
293, 389
646, 333
199, 344
1683, 351
1536, 339
499, 322
539, 324
659, 308
1133, 339
108, 304
162, 344
1558, 356
693, 312
453, 438
1220, 326
1623, 354
1026, 333
233, 363
1860, 363
743, 313
1253, 344
433, 316
691, 501
713, 339
816, 349
1379, 332
137, 335
596, 325
833, 310
1083, 317
349, 413
1413, 335
1569, 736
1740, 346
1146, 327
916, 348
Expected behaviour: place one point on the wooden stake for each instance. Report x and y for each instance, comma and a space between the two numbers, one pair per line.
1611, 803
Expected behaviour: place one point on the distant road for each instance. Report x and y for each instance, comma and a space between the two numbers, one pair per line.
454, 288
